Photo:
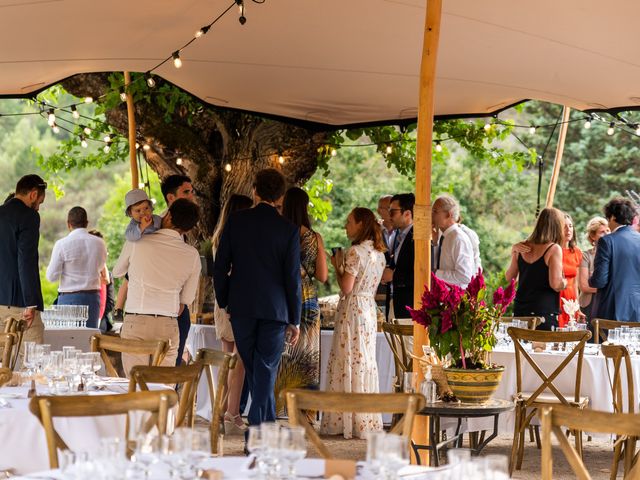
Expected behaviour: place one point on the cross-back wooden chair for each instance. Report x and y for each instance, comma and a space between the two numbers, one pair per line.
532, 322
155, 349
602, 326
15, 327
396, 336
46, 408
9, 354
553, 418
546, 393
5, 375
185, 376
217, 390
299, 400
618, 354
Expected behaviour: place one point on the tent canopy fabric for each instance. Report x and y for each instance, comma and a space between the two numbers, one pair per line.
336, 62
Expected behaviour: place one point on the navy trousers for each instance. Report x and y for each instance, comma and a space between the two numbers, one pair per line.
184, 324
260, 343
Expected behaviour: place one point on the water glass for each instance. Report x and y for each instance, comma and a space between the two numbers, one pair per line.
409, 382
496, 467
395, 455
292, 446
614, 336
375, 452
29, 356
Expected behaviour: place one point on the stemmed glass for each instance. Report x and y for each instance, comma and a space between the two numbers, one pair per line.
146, 452
30, 357
375, 452
255, 446
395, 456
292, 449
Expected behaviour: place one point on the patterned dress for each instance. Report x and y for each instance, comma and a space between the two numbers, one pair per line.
300, 367
352, 361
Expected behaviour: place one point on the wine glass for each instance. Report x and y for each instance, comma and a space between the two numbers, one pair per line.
293, 448
255, 446
29, 356
395, 456
375, 451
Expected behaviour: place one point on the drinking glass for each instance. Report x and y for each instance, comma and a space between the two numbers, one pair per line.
255, 446
496, 467
146, 452
613, 336
292, 449
29, 356
375, 451
271, 447
395, 456
409, 383
96, 363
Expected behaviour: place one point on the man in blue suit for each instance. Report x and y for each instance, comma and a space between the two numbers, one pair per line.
20, 293
257, 279
616, 271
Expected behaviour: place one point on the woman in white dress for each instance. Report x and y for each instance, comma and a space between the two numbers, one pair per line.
352, 361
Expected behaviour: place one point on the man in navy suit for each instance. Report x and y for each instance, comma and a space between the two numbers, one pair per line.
616, 270
20, 293
257, 279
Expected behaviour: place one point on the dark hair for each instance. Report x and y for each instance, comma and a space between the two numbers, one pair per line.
10, 196
95, 233
184, 214
405, 200
77, 217
295, 207
621, 209
269, 184
370, 229
172, 183
234, 203
30, 182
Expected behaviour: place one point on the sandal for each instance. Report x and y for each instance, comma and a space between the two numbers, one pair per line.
234, 425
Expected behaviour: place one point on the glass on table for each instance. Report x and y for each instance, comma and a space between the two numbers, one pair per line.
293, 448
495, 467
395, 455
613, 336
29, 356
410, 380
375, 450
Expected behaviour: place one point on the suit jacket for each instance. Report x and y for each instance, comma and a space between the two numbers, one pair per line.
257, 266
403, 277
616, 275
19, 273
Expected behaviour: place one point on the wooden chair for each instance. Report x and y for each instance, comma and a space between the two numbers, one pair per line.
5, 375
532, 322
217, 392
553, 418
396, 336
47, 407
156, 349
617, 354
299, 400
601, 326
185, 376
546, 393
17, 328
9, 353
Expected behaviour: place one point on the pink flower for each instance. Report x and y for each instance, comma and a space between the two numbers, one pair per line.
439, 289
455, 297
420, 316
446, 321
477, 283
498, 296
509, 294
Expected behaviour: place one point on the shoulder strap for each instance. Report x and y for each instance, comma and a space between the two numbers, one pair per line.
547, 249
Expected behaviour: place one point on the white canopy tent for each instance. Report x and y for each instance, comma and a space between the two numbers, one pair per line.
336, 62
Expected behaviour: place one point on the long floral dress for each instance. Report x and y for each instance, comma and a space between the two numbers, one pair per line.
352, 361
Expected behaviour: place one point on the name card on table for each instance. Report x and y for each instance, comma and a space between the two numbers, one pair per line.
340, 469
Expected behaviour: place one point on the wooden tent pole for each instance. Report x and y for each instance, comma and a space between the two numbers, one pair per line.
422, 208
566, 111
132, 132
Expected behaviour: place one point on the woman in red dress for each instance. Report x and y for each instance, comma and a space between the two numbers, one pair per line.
571, 258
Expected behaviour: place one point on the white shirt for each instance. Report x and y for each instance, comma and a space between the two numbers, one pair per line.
76, 261
475, 244
456, 257
163, 273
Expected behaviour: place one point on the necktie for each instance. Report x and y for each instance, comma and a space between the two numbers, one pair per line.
393, 250
439, 251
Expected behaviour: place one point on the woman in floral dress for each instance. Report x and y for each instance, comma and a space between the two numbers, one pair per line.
352, 361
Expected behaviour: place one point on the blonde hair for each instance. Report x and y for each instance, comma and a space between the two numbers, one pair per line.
549, 227
593, 226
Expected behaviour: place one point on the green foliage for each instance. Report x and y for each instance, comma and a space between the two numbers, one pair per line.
318, 190
49, 289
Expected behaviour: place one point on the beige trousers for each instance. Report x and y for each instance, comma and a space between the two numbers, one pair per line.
35, 333
148, 327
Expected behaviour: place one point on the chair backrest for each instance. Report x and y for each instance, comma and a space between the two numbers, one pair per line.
156, 349
5, 375
520, 334
185, 376
217, 389
299, 400
396, 335
532, 322
554, 418
17, 328
601, 326
46, 408
8, 345
618, 353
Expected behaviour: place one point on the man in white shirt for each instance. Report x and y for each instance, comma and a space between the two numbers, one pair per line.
76, 262
454, 260
163, 278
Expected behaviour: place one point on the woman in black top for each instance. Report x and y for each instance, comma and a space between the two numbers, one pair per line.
537, 266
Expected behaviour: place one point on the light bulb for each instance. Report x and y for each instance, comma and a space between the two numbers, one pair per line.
611, 129
123, 96
242, 18
106, 148
55, 128
88, 99
202, 31
389, 149
141, 185
150, 81
281, 159
51, 118
176, 59
638, 129
487, 127
438, 147
74, 112
178, 161
83, 142
227, 167
86, 130
146, 148
153, 200
587, 123
334, 152
137, 145
107, 138
532, 129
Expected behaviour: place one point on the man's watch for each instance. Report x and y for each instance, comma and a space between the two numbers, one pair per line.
118, 315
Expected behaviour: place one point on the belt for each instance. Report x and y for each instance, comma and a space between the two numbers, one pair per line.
79, 291
150, 315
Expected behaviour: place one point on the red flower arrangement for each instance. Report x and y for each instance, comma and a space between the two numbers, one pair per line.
460, 324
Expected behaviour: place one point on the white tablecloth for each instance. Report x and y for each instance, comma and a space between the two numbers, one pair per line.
76, 337
203, 336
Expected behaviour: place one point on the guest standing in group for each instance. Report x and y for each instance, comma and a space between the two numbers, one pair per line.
257, 279
386, 224
20, 292
107, 294
596, 228
571, 259
77, 262
300, 368
233, 423
352, 364
536, 264
616, 267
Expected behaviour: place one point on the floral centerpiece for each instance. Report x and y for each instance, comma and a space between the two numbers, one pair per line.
462, 325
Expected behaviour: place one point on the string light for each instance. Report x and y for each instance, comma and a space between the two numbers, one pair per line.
242, 18
141, 185
153, 200
51, 119
637, 128
532, 129
611, 129
106, 149
86, 130
107, 138
150, 81
202, 31
334, 152
438, 146
137, 145
227, 167
389, 149
177, 62
55, 128
587, 123
88, 99
178, 161
74, 112
487, 127
146, 148
83, 142
281, 159
123, 95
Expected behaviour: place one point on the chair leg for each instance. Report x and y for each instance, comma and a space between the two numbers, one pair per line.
531, 438
537, 432
523, 426
514, 446
617, 450
578, 434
